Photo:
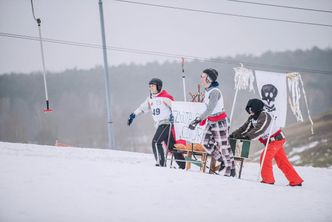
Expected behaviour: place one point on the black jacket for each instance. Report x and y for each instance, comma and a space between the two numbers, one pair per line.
253, 127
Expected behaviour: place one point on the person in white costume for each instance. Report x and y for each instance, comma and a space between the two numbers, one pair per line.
216, 134
159, 103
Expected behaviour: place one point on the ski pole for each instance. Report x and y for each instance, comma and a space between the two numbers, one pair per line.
265, 149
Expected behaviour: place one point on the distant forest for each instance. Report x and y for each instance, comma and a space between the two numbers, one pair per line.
78, 98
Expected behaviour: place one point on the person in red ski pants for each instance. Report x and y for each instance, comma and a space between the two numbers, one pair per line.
259, 125
275, 150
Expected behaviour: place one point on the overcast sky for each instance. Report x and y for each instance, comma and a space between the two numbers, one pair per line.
154, 29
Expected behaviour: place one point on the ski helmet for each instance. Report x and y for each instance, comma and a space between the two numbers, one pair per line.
157, 82
212, 74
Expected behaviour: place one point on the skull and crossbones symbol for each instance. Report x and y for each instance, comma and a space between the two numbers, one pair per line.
269, 93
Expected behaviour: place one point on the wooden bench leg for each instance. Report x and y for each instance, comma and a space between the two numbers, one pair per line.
188, 164
203, 162
212, 165
241, 165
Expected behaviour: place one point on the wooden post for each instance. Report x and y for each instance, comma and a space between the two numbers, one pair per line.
188, 163
212, 165
204, 159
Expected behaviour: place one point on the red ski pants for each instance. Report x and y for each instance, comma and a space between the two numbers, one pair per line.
275, 150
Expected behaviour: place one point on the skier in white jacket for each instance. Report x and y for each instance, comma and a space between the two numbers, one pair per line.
159, 103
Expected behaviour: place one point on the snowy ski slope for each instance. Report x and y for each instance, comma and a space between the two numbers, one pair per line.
52, 184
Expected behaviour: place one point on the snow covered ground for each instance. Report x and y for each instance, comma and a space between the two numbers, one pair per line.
45, 183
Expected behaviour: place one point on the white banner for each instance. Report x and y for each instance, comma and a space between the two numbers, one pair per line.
273, 91
184, 113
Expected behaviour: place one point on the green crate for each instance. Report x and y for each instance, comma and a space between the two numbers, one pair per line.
240, 147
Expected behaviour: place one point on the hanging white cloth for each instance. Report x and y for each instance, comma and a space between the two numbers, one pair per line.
294, 81
244, 78
294, 95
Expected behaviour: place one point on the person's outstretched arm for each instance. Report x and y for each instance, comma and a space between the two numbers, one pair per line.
143, 108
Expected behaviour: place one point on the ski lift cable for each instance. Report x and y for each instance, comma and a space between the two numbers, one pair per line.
225, 13
38, 20
172, 55
280, 6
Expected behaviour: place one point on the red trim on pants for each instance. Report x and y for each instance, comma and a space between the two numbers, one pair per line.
275, 150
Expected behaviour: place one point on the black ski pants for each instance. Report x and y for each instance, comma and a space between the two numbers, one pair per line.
164, 134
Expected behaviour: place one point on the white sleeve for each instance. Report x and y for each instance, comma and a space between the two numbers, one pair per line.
143, 108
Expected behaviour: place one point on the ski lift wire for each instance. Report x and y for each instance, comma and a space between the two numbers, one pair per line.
280, 6
175, 56
225, 13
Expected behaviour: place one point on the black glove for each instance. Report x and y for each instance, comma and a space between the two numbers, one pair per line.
131, 118
194, 123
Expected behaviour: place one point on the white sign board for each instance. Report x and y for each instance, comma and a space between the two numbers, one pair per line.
184, 113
